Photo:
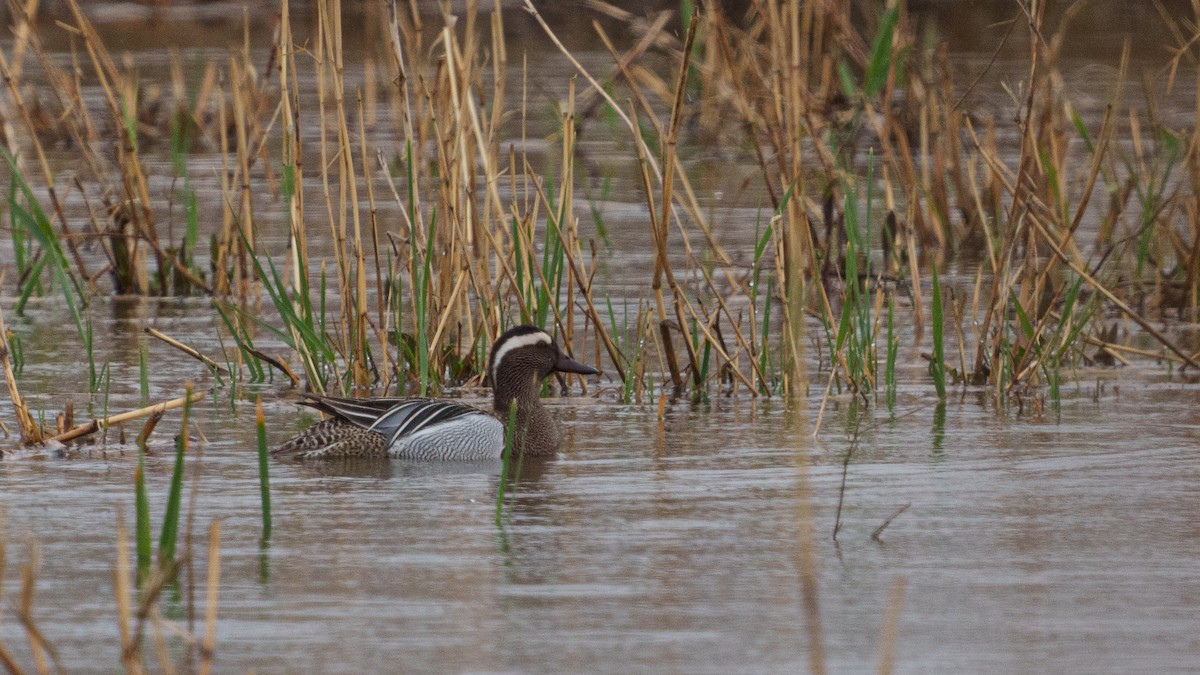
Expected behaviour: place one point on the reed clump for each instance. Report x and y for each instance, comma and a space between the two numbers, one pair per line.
388, 204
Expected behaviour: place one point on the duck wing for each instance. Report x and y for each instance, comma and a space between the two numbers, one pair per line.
416, 415
394, 418
361, 412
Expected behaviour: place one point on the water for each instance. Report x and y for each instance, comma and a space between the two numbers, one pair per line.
1063, 540
1065, 543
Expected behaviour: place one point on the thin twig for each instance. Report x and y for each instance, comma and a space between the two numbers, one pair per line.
837, 520
888, 521
278, 364
971, 87
186, 349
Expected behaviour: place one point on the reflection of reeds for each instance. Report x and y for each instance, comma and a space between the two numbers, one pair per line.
138, 611
40, 648
137, 603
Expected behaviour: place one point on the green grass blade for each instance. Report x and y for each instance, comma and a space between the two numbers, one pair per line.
937, 367
37, 224
881, 53
264, 483
170, 524
142, 512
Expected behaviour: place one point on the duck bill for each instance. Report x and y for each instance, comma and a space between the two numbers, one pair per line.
567, 364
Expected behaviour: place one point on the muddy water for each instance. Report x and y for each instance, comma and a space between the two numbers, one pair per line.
1059, 541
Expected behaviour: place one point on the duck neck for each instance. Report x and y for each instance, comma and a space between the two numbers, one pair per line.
536, 433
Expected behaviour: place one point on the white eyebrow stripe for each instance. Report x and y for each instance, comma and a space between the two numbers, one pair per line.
518, 342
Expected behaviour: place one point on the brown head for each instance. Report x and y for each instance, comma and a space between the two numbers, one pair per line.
521, 358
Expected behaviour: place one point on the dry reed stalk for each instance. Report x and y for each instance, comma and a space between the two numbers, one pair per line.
564, 220
796, 40
736, 287
361, 318
121, 94
158, 639
826, 398
460, 234
25, 17
15, 96
149, 590
31, 433
625, 69
448, 310
76, 120
292, 148
208, 647
1030, 201
662, 266
10, 663
403, 105
186, 349
381, 322
69, 99
327, 47
1192, 160
226, 246
660, 226
529, 265
101, 424
1100, 288
997, 297
292, 151
956, 311
596, 86
244, 219
130, 658
11, 75
493, 210
570, 247
660, 223
466, 137
278, 364
667, 350
147, 429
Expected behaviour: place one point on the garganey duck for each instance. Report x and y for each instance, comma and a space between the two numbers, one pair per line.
437, 429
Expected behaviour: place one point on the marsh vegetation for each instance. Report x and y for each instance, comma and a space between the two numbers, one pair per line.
795, 206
